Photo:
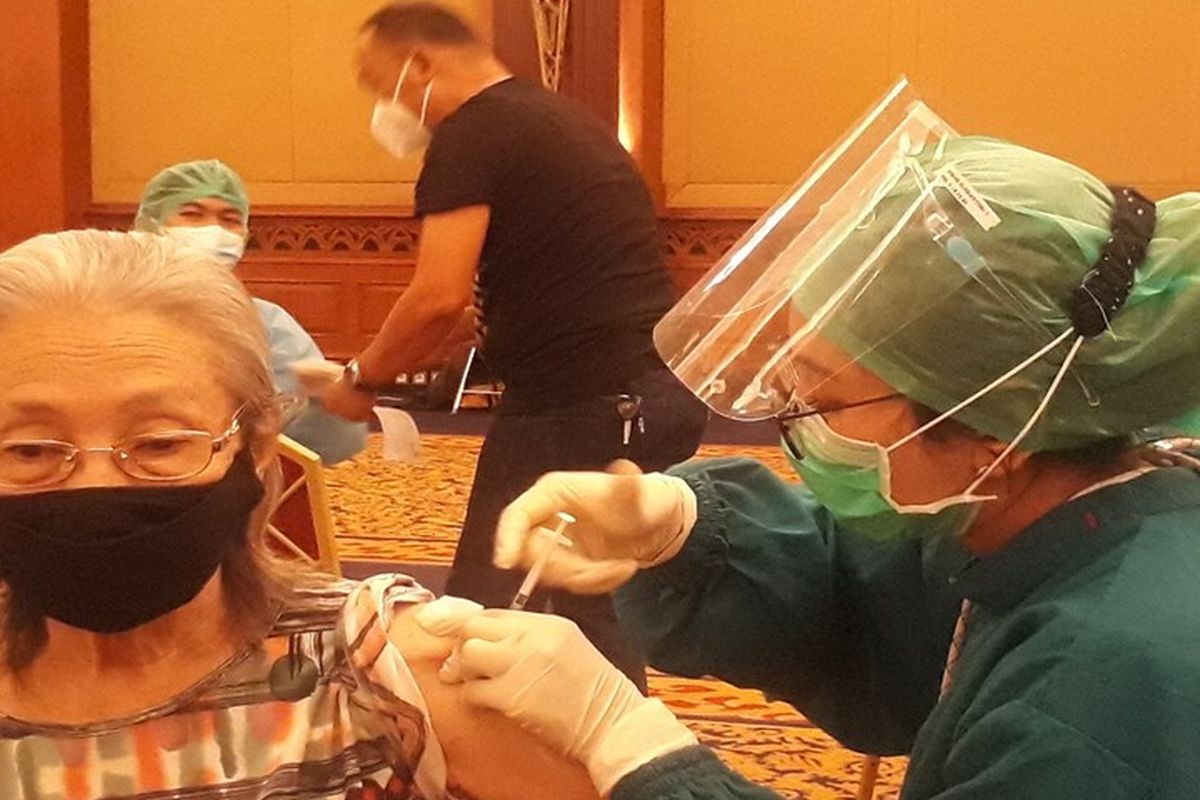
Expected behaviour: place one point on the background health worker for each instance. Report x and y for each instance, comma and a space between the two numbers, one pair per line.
204, 204
986, 501
525, 193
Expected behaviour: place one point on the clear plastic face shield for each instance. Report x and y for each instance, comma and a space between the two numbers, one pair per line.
738, 338
871, 242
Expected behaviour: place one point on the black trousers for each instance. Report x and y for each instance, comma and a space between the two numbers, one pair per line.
520, 448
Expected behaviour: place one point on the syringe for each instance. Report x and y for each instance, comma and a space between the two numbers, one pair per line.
535, 572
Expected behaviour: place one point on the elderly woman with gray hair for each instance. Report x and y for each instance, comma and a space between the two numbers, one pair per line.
150, 643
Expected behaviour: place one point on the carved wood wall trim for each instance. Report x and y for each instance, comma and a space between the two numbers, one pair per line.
699, 241
340, 273
691, 244
368, 238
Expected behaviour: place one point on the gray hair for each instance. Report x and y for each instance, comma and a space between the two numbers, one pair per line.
118, 273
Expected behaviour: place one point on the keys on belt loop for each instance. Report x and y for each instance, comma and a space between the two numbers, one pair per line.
629, 409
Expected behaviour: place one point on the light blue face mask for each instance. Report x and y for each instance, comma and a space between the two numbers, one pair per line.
849, 476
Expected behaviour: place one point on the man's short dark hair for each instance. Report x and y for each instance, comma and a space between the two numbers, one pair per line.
419, 22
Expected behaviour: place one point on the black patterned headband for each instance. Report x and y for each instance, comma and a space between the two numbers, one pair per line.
1106, 287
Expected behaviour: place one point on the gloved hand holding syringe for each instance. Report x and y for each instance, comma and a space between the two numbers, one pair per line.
446, 615
552, 541
529, 667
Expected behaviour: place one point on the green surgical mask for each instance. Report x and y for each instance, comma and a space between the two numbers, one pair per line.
847, 476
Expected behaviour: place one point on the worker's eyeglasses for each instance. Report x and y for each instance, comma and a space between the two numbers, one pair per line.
169, 455
788, 416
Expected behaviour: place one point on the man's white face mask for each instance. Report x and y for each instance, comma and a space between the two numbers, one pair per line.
224, 245
395, 126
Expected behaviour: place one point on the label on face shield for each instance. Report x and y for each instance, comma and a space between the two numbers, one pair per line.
968, 198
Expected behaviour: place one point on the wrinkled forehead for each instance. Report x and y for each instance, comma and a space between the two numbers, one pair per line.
107, 367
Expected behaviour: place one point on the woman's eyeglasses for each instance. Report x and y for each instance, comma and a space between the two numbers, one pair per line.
169, 455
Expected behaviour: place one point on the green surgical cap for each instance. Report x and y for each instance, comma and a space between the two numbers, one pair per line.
1054, 219
186, 183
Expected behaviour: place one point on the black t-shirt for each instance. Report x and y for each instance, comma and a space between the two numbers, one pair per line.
571, 276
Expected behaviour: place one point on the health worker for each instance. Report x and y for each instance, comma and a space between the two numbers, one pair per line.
204, 204
962, 341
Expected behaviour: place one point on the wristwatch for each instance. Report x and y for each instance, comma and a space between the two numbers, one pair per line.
353, 375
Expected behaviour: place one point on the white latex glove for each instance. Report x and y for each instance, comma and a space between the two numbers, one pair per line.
445, 617
540, 671
315, 376
623, 523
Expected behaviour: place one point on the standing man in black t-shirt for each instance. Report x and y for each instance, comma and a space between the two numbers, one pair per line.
526, 193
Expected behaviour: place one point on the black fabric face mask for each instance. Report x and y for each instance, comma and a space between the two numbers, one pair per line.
108, 559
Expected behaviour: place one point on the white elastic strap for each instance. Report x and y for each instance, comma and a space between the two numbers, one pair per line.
425, 101
1018, 369
1177, 459
1116, 480
400, 80
1099, 305
1037, 414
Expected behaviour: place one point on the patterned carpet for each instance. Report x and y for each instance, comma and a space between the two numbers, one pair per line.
410, 514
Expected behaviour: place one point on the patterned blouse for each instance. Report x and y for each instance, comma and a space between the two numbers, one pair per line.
324, 707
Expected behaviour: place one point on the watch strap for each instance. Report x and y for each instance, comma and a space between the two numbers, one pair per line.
353, 374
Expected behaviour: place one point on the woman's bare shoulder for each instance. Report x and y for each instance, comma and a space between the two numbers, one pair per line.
488, 756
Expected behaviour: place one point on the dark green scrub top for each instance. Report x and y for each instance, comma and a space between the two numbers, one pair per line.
1080, 677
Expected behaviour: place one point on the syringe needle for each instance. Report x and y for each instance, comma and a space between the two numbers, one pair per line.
535, 572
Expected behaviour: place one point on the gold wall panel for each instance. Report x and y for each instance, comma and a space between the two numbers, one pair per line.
755, 90
1110, 86
267, 86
